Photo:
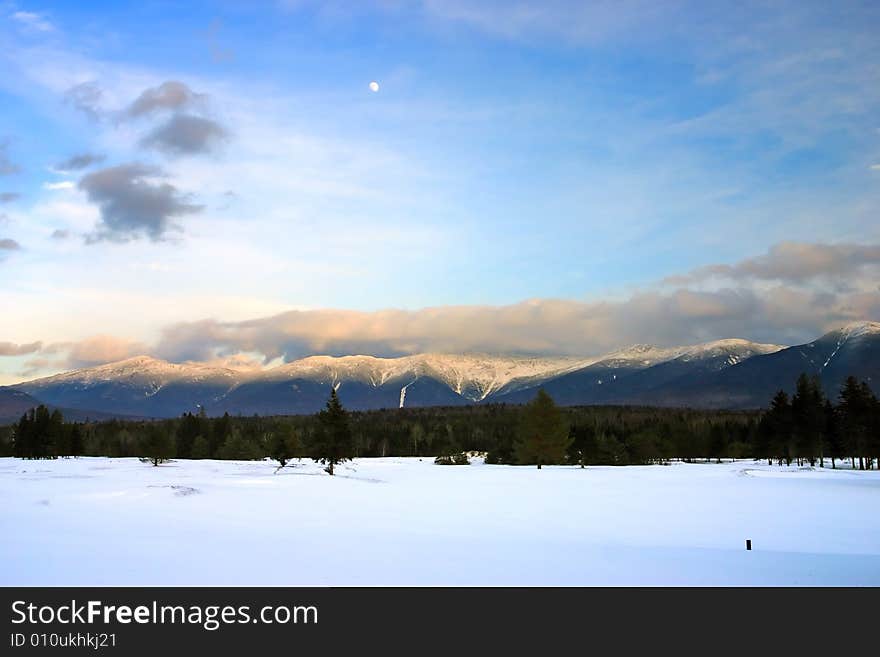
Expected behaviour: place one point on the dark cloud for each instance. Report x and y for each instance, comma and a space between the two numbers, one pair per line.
185, 134
170, 95
13, 349
79, 162
9, 197
8, 246
60, 234
7, 166
86, 97
134, 202
792, 262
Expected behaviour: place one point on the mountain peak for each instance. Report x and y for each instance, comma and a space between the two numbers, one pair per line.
856, 329
143, 359
736, 344
146, 386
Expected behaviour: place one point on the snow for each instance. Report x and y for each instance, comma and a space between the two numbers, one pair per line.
151, 373
473, 376
859, 329
93, 521
646, 355
850, 332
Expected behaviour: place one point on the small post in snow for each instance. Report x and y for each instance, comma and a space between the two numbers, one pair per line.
748, 544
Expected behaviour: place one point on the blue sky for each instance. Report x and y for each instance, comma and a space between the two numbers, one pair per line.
544, 169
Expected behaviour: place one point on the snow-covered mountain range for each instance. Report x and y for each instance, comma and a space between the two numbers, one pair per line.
729, 373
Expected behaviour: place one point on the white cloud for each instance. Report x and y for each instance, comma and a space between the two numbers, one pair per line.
56, 186
32, 22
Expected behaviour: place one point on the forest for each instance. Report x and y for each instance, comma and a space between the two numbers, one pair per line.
808, 428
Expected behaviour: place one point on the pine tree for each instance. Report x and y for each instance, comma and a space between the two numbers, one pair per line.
833, 445
871, 420
808, 413
283, 446
200, 448
37, 434
54, 439
778, 425
543, 434
77, 441
236, 448
186, 435
221, 428
332, 443
855, 418
21, 439
157, 445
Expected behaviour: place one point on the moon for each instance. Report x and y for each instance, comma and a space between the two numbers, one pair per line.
374, 86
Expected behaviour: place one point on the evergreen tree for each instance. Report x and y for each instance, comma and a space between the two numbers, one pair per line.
808, 414
37, 434
237, 448
21, 436
872, 425
221, 428
855, 418
200, 448
186, 435
128, 443
332, 442
779, 424
642, 447
77, 442
717, 442
543, 435
764, 440
6, 442
583, 448
833, 443
157, 445
283, 446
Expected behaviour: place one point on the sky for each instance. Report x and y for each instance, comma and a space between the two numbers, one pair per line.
217, 181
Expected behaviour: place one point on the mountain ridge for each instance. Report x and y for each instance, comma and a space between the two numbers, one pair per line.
731, 372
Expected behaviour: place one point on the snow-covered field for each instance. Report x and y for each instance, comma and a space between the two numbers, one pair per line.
407, 521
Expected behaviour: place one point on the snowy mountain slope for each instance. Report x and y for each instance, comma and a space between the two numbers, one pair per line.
473, 376
366, 382
141, 386
729, 373
853, 350
476, 377
14, 404
627, 375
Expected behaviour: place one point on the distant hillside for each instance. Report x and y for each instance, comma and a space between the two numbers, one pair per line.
14, 403
729, 373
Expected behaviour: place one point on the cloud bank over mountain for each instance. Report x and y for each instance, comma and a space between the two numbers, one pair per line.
771, 298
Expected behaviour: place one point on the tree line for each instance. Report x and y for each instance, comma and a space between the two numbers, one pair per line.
808, 427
